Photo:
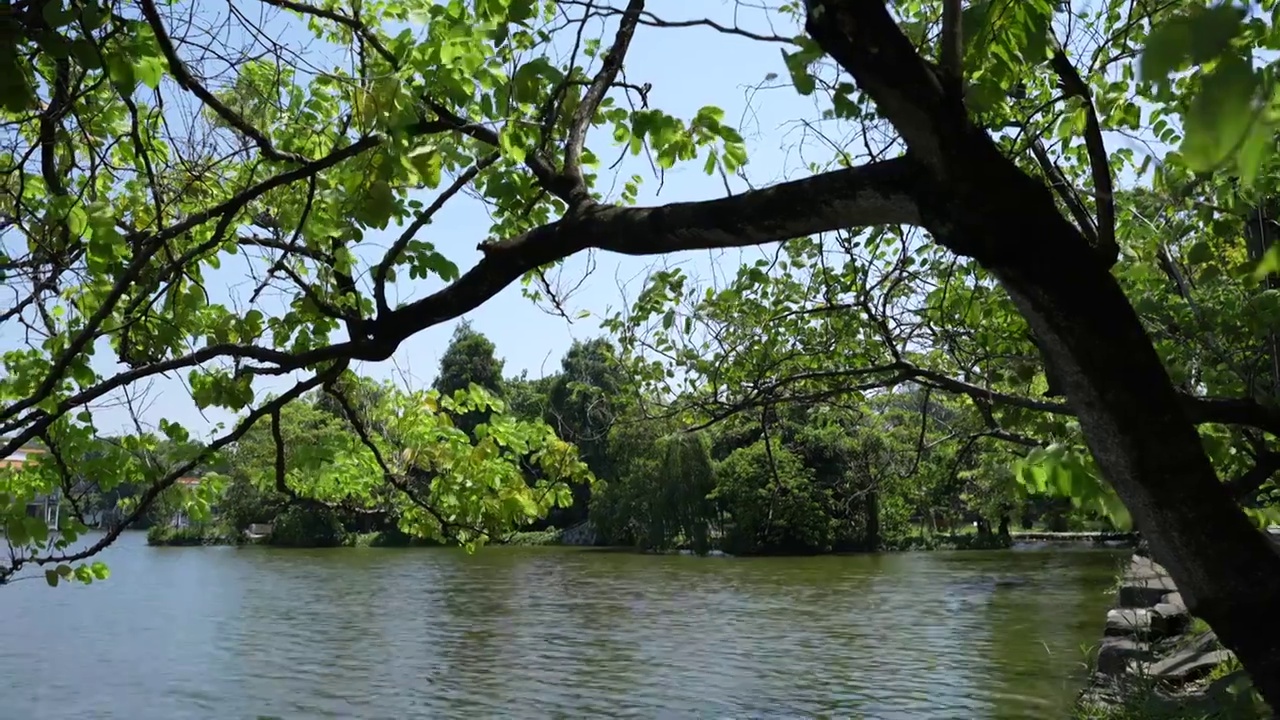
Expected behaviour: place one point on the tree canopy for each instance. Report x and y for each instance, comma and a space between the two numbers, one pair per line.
977, 230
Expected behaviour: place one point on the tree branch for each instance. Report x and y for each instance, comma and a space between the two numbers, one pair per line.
1266, 466
1075, 86
393, 253
874, 194
347, 21
189, 83
586, 109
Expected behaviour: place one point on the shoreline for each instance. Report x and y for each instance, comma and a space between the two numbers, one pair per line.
583, 536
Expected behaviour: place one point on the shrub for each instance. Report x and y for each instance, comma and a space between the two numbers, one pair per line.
301, 526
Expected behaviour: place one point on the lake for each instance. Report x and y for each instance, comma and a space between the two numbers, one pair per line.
224, 633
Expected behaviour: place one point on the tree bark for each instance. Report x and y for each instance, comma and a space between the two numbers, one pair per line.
872, 508
980, 204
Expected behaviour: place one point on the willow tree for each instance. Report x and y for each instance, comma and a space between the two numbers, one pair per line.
114, 212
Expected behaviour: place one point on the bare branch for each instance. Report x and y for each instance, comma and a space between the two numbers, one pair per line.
1075, 86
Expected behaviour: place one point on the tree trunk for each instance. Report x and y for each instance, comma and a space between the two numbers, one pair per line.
978, 203
1004, 526
872, 508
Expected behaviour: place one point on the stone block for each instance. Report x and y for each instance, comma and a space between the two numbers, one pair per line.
1169, 619
1144, 592
1128, 622
1118, 654
1187, 665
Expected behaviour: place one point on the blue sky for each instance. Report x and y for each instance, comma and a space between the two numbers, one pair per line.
688, 68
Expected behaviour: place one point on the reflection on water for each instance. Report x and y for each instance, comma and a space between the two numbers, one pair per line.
383, 633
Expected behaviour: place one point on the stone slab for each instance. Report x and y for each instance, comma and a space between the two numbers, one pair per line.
1169, 619
1188, 665
1128, 622
1144, 592
1117, 654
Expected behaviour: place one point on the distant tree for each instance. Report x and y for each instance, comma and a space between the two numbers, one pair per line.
469, 359
583, 402
526, 398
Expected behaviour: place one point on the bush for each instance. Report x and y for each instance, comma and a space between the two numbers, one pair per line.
550, 536
301, 526
196, 535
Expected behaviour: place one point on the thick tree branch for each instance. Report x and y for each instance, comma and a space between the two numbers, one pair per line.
586, 110
875, 194
1266, 466
951, 56
865, 40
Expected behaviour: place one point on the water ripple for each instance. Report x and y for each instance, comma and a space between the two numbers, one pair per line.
244, 633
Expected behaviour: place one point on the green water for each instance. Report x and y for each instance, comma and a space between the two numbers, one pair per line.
226, 633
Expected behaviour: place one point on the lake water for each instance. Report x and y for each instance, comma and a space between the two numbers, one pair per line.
227, 633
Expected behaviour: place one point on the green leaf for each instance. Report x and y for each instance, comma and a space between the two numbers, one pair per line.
798, 65
1199, 253
378, 206
1270, 263
150, 70
56, 14
709, 167
529, 80
121, 71
1257, 148
1194, 38
429, 165
1220, 114
51, 577
77, 221
100, 570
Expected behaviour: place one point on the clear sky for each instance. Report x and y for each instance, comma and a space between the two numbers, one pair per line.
688, 68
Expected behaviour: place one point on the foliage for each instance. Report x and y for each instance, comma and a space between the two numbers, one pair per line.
660, 497
191, 535
402, 460
550, 536
772, 502
307, 527
582, 402
468, 360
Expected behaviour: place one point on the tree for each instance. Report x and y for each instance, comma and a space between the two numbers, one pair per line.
117, 220
583, 401
469, 359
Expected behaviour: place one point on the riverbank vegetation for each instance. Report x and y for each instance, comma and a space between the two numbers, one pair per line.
805, 479
1030, 254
